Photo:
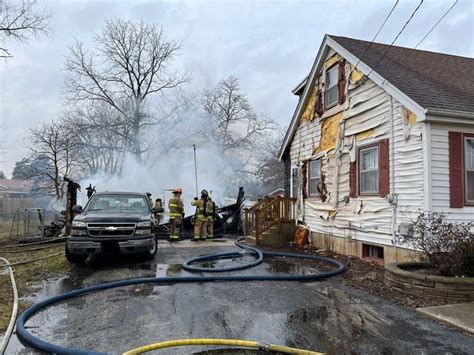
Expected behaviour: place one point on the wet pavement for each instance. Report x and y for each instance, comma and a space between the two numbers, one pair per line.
323, 316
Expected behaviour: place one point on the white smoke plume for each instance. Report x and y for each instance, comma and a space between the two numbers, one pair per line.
177, 171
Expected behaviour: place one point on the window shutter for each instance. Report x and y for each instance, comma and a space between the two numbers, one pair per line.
342, 81
353, 180
384, 168
456, 199
304, 173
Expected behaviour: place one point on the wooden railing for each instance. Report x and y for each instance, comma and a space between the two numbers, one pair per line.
269, 212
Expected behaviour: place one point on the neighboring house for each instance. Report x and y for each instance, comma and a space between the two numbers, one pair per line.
369, 147
15, 194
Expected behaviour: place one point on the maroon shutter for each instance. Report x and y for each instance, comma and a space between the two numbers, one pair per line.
342, 81
384, 168
304, 173
456, 199
353, 180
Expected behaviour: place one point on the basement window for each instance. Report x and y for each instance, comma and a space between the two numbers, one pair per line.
331, 92
469, 167
372, 252
314, 176
369, 170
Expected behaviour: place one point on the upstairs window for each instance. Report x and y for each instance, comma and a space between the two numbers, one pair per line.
369, 170
294, 182
331, 92
314, 176
469, 169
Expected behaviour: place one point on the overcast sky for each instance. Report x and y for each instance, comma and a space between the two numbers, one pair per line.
268, 45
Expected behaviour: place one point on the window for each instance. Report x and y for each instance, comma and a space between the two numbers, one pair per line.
369, 170
372, 252
331, 92
469, 169
314, 176
294, 182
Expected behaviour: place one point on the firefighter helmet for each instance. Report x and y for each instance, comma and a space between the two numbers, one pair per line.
204, 192
177, 191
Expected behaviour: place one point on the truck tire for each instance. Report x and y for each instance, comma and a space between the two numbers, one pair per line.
150, 254
75, 258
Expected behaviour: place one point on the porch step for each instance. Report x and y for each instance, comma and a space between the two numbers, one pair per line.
250, 240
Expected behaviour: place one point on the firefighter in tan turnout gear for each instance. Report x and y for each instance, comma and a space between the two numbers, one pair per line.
211, 210
176, 207
200, 225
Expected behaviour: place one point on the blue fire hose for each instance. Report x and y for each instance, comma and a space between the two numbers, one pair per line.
43, 345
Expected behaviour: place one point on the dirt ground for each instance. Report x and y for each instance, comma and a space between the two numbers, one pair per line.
26, 275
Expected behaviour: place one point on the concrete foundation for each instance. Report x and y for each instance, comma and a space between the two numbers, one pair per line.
355, 248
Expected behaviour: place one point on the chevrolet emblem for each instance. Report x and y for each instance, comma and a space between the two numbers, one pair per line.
111, 228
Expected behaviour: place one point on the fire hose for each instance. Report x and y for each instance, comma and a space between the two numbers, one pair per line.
43, 345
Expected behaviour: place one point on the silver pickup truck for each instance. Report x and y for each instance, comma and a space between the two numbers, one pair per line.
113, 223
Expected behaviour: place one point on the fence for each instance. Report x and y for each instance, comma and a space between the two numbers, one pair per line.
26, 222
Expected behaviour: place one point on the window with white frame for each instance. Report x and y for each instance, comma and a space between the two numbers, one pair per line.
369, 170
314, 176
331, 92
294, 182
469, 169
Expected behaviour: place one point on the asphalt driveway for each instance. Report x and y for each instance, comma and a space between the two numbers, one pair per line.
323, 316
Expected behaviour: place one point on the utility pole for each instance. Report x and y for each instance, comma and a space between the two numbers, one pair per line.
195, 169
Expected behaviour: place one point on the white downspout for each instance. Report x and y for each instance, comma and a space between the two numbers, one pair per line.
392, 177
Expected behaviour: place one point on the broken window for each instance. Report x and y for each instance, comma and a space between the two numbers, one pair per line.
314, 176
469, 167
369, 170
294, 182
331, 92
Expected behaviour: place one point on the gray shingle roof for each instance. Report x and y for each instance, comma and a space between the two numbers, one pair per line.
434, 80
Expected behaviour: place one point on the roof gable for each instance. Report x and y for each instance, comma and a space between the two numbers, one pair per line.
434, 80
417, 79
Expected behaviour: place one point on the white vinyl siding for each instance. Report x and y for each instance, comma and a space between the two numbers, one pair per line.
331, 91
439, 154
314, 176
369, 170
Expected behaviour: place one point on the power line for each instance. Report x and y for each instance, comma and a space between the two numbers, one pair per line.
398, 35
424, 37
436, 24
373, 39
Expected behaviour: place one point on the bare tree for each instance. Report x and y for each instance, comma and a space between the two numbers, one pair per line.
58, 146
234, 124
130, 64
20, 21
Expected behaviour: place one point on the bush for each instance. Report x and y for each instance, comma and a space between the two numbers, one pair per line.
447, 246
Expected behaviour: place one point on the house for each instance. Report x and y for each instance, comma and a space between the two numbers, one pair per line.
379, 133
14, 194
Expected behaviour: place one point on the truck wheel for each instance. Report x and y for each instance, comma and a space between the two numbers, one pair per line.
150, 254
75, 258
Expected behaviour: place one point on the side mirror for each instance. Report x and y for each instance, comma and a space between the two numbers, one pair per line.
157, 210
77, 209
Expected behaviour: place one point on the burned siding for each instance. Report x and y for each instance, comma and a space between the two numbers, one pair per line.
364, 118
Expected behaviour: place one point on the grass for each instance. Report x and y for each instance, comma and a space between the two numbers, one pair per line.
26, 275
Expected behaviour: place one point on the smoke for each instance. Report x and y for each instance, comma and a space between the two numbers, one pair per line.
177, 171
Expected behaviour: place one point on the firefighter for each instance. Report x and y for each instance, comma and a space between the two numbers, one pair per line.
158, 204
212, 213
176, 207
200, 225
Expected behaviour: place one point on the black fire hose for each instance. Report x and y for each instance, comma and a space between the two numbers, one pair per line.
43, 345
